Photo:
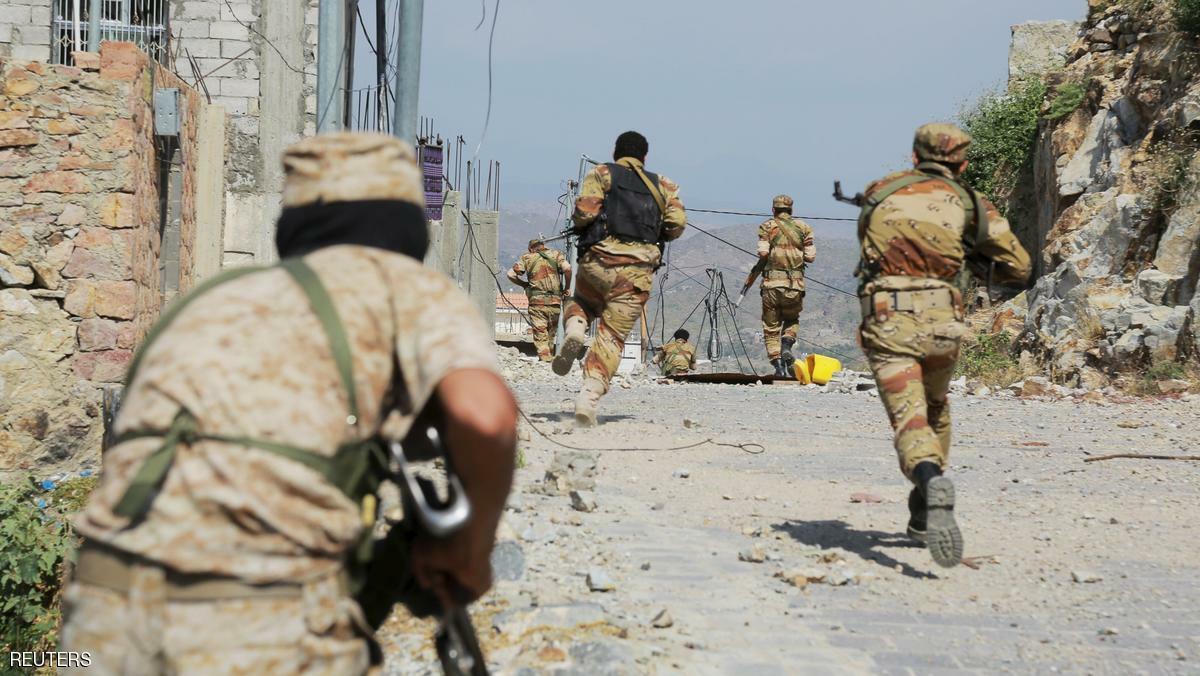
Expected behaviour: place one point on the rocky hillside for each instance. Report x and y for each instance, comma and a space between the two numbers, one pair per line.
1111, 200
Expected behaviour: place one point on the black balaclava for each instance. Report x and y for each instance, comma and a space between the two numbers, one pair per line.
392, 225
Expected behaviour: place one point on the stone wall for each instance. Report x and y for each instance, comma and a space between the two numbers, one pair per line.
25, 30
79, 243
1039, 46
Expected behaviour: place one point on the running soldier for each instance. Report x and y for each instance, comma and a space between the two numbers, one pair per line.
916, 229
677, 356
220, 537
549, 276
785, 247
623, 216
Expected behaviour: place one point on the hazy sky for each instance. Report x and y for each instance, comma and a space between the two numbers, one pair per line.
739, 100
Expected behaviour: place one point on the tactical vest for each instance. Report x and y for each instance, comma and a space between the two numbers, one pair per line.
976, 219
357, 467
789, 232
634, 208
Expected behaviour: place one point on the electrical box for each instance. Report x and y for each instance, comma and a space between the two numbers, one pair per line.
166, 112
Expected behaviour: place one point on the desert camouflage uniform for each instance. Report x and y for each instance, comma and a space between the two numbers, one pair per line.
250, 359
544, 269
788, 244
913, 244
615, 276
677, 356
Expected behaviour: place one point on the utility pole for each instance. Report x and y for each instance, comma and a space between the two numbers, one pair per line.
331, 65
408, 70
93, 25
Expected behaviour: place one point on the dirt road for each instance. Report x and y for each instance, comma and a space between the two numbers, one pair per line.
794, 560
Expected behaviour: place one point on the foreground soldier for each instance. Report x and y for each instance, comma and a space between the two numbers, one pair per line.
785, 246
916, 229
549, 275
677, 356
623, 215
219, 536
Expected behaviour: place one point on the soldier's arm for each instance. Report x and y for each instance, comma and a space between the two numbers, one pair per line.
764, 239
515, 273
566, 268
591, 197
675, 220
480, 416
1013, 264
692, 358
810, 245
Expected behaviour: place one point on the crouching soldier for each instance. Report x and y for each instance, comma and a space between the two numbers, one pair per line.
677, 356
230, 509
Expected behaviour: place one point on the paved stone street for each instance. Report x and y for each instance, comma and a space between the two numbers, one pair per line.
1081, 567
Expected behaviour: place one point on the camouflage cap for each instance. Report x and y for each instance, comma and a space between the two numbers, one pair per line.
534, 242
350, 167
941, 142
781, 202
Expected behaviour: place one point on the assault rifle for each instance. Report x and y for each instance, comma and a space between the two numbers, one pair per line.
858, 200
456, 642
754, 273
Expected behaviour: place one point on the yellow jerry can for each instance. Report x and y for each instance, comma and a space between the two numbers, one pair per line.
817, 369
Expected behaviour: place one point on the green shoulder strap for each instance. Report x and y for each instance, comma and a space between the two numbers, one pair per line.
177, 307
977, 214
789, 230
322, 306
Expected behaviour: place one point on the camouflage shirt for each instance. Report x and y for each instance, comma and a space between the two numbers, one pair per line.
677, 356
788, 245
544, 269
915, 237
249, 358
613, 251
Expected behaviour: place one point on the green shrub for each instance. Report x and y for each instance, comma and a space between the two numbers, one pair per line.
988, 358
33, 542
1187, 15
1067, 99
1005, 128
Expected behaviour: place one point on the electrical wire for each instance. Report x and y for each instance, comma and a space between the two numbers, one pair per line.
751, 253
753, 213
267, 40
487, 119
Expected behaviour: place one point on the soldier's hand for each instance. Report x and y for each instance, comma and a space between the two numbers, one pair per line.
457, 569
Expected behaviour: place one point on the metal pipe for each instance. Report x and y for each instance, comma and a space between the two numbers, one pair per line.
408, 69
331, 74
93, 25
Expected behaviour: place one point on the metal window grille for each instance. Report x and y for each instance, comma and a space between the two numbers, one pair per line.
143, 22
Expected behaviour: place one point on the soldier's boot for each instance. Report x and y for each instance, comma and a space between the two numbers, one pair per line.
777, 367
942, 536
786, 354
916, 515
588, 402
574, 333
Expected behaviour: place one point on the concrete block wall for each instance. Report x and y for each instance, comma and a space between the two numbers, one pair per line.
266, 79
25, 29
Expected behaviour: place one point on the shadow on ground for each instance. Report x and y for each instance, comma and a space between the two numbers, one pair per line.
868, 544
566, 416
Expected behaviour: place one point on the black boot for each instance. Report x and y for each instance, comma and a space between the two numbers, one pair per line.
916, 515
777, 366
942, 536
787, 344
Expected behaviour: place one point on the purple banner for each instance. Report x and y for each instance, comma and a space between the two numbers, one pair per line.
432, 170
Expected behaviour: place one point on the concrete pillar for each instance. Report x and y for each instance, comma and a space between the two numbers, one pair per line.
251, 214
481, 235
210, 192
444, 238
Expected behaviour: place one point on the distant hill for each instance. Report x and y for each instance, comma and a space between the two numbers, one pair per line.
827, 325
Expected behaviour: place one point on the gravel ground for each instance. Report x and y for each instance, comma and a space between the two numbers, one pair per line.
714, 560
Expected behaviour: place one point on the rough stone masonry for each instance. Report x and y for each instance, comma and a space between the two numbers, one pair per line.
79, 243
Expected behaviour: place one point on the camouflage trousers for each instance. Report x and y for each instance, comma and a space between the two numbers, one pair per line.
781, 308
545, 326
141, 632
614, 294
912, 357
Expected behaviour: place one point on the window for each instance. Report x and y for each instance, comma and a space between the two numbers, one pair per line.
143, 22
